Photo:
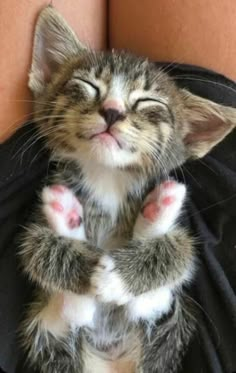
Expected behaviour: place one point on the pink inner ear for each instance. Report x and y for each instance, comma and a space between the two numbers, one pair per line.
42, 58
210, 130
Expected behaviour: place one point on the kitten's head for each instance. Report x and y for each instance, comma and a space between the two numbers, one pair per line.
116, 109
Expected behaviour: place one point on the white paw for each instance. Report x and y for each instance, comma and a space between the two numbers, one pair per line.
160, 210
66, 311
78, 310
63, 211
150, 305
107, 284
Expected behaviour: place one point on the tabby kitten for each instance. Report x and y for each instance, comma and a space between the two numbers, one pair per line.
105, 249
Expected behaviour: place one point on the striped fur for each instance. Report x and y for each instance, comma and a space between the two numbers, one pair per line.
161, 128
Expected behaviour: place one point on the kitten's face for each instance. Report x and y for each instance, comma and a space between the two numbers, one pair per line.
115, 109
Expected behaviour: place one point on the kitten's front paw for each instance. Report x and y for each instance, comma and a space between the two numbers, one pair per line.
63, 211
107, 284
160, 210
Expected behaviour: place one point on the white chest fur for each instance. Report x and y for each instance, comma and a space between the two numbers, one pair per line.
109, 187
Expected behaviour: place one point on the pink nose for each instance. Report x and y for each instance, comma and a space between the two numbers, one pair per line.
112, 111
114, 105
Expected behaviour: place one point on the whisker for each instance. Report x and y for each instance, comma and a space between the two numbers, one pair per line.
21, 121
168, 68
38, 136
37, 154
227, 199
207, 166
206, 315
50, 103
154, 148
190, 174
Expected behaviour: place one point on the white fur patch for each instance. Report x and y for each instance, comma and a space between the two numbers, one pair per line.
150, 305
107, 186
111, 155
117, 90
67, 309
79, 310
107, 283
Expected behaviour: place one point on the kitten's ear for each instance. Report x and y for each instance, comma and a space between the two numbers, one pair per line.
206, 124
54, 42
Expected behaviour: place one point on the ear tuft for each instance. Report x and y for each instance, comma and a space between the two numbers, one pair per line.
205, 124
54, 43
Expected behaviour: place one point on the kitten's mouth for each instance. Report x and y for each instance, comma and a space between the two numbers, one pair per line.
107, 138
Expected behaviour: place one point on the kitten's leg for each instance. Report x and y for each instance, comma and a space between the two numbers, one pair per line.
50, 346
55, 262
65, 215
160, 211
67, 311
164, 344
151, 269
63, 211
159, 214
107, 285
51, 329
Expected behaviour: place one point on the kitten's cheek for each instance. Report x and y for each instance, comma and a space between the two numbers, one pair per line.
107, 284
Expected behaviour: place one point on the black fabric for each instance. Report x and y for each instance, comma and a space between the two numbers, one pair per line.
212, 210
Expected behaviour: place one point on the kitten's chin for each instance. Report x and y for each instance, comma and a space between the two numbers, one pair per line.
105, 139
106, 152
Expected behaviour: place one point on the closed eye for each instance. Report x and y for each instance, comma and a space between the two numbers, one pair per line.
143, 102
91, 87
91, 84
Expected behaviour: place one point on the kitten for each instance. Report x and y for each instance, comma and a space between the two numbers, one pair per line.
105, 249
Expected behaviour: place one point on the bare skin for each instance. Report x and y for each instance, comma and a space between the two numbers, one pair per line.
200, 32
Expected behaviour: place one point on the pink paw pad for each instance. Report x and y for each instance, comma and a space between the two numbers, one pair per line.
160, 200
57, 206
150, 211
62, 208
74, 219
161, 210
167, 201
